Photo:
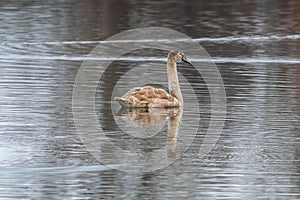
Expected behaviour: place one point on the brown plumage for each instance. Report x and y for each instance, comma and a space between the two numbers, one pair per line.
145, 97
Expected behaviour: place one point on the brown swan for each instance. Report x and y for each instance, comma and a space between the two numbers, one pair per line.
149, 97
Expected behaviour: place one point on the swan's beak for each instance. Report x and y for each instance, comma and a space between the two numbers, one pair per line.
184, 59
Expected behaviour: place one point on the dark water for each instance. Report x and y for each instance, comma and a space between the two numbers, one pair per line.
256, 47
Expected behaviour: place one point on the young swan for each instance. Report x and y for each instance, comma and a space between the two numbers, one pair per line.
149, 97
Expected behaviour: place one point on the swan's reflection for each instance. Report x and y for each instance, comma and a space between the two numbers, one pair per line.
146, 122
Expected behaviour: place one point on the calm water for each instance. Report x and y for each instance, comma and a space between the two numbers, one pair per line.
256, 47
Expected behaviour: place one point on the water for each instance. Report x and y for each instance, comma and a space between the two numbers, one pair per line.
256, 47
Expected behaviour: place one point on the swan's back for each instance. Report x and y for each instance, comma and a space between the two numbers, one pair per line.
147, 96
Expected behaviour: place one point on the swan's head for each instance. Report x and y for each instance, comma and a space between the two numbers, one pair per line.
177, 56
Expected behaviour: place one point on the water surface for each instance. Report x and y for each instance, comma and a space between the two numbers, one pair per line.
256, 47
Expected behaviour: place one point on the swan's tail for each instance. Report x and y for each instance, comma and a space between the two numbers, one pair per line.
122, 101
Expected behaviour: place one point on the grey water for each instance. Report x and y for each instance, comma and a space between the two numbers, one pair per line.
51, 149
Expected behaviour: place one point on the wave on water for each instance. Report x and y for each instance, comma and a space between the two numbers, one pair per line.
205, 39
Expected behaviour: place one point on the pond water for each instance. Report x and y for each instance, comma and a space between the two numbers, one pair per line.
44, 154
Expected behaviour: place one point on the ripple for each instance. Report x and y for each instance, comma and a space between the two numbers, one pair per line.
151, 59
216, 40
55, 170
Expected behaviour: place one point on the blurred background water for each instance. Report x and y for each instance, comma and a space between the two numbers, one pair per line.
256, 47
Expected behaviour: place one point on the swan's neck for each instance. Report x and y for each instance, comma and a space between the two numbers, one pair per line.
174, 87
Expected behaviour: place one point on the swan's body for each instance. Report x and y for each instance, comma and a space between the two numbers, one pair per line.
155, 97
147, 97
